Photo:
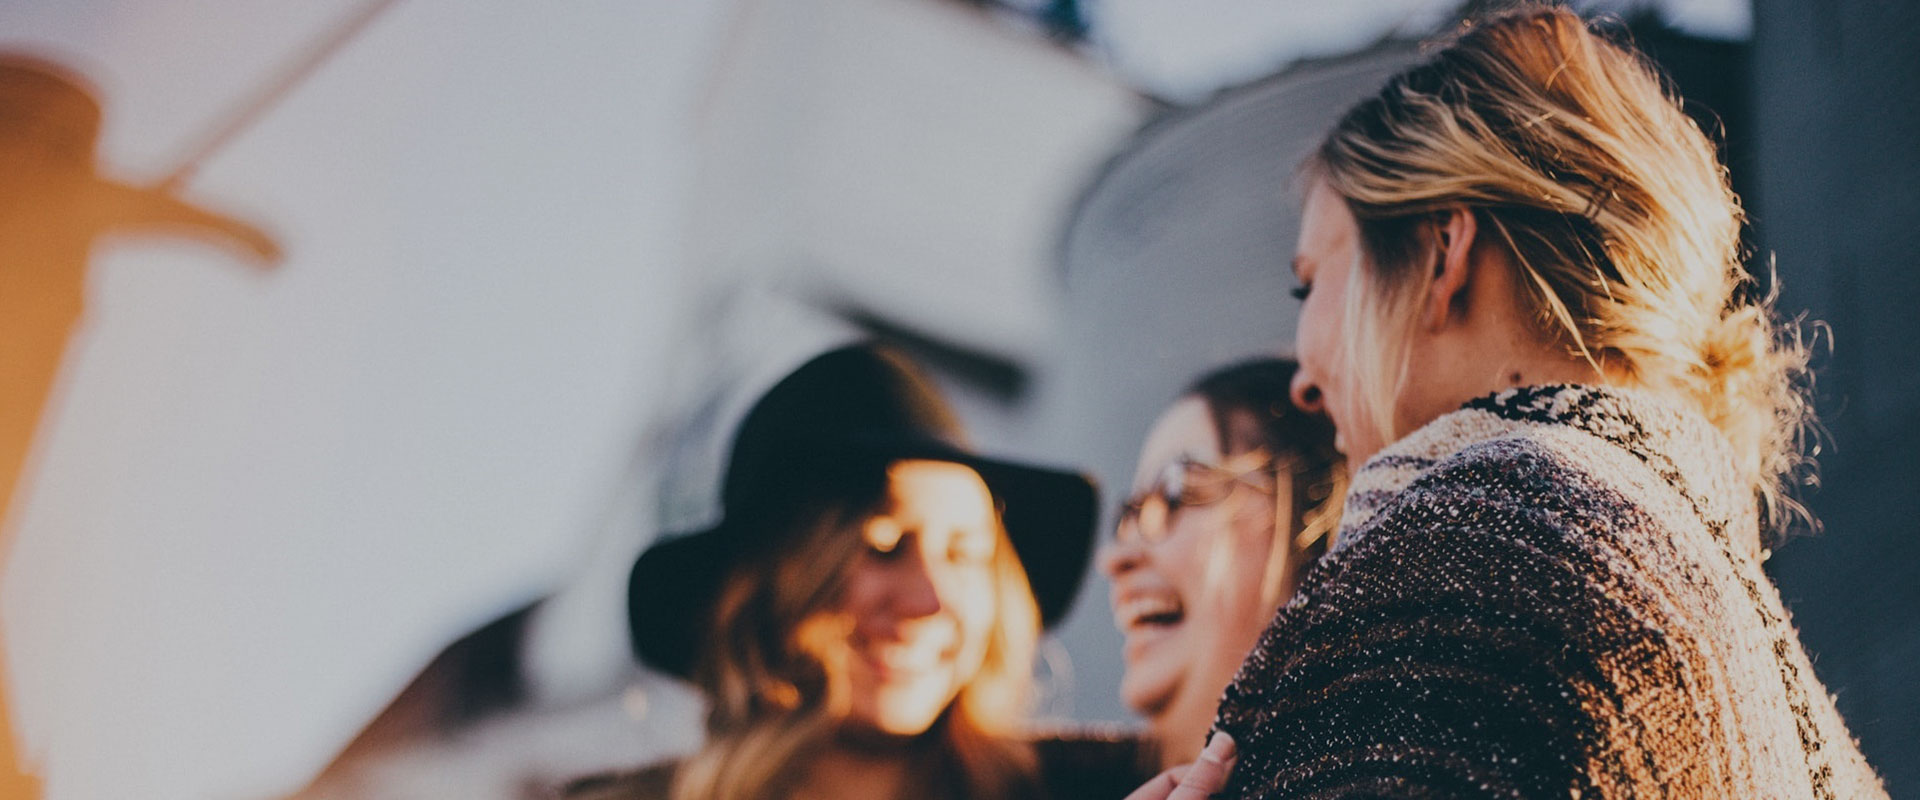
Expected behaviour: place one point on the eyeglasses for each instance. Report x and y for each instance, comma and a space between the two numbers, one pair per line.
1148, 514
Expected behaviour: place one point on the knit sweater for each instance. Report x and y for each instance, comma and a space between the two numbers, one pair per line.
1553, 592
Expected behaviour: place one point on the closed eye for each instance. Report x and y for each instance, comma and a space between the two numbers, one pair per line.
1300, 292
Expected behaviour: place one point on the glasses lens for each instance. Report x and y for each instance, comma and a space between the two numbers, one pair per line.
1127, 525
1152, 523
1144, 516
1148, 513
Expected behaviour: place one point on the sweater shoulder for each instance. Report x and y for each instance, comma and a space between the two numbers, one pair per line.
1477, 627
1529, 489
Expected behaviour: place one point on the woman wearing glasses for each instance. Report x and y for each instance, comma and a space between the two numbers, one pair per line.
1236, 494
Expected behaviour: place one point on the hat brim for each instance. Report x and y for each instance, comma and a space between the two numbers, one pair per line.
1049, 516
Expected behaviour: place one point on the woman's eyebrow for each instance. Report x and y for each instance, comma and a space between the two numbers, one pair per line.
1298, 262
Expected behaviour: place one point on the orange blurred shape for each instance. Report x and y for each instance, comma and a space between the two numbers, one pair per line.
53, 205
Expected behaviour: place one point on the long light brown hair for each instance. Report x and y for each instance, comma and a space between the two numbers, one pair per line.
775, 672
1577, 160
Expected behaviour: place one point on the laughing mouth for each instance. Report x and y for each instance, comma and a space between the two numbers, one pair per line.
1151, 611
901, 660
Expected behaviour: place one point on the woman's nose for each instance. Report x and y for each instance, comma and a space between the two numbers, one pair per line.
915, 592
1306, 395
1120, 555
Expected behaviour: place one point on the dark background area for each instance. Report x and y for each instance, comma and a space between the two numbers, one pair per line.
1836, 142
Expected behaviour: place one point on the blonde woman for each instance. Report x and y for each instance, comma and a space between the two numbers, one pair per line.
1235, 496
863, 620
1527, 316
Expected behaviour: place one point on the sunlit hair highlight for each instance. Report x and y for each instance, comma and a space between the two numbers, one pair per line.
1579, 164
776, 672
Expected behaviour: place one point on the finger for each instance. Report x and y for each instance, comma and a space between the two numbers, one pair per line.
1161, 785
1209, 773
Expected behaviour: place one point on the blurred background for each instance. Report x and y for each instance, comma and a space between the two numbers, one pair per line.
329, 457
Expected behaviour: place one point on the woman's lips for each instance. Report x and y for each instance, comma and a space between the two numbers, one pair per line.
1146, 618
903, 659
1148, 610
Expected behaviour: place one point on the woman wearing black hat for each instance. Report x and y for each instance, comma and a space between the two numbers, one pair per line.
863, 620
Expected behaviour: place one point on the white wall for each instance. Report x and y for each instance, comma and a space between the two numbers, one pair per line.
268, 499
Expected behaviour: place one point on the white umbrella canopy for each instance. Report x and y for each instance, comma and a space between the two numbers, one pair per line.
263, 501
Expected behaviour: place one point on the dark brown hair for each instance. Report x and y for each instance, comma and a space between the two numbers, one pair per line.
1252, 409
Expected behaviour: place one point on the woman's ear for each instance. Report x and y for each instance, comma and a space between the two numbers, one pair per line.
1454, 233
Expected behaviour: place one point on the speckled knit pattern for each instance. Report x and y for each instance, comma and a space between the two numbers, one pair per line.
1549, 593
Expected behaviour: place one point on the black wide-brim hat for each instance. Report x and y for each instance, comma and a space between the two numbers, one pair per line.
859, 403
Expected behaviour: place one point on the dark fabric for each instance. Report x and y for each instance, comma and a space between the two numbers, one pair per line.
1073, 766
1546, 594
1092, 766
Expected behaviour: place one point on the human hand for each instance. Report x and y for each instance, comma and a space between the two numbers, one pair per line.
1195, 781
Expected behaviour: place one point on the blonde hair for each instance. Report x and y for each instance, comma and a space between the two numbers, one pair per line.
1576, 159
776, 676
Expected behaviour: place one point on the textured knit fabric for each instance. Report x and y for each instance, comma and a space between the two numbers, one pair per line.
1553, 592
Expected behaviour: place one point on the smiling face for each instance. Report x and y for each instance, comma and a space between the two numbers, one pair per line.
1328, 254
1192, 603
920, 596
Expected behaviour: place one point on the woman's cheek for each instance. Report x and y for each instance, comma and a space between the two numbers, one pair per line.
976, 609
